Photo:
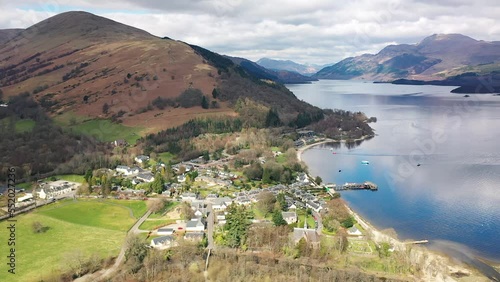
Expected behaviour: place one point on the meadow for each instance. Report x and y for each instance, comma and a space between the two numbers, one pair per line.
89, 227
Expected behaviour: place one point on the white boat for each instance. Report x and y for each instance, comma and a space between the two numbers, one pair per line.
365, 162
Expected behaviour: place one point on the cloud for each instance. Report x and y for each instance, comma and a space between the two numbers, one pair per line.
316, 31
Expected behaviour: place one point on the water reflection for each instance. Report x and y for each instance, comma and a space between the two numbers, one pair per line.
452, 195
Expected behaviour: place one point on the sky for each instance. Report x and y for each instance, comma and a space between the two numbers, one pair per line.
311, 32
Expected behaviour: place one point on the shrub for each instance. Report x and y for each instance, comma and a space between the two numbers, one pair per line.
190, 98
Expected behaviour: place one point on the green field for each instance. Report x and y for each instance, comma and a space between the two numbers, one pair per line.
102, 129
139, 208
152, 224
88, 226
165, 157
68, 177
22, 125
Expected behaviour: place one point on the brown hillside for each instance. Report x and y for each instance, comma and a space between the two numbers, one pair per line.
77, 62
8, 34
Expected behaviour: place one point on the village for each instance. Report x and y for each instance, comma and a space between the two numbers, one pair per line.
209, 187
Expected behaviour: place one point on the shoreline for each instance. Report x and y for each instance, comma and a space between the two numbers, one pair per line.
326, 140
436, 266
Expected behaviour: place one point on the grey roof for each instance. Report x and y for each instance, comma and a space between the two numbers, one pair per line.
166, 230
353, 229
310, 234
163, 239
288, 214
194, 223
194, 235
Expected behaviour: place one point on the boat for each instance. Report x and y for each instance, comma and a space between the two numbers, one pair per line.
365, 162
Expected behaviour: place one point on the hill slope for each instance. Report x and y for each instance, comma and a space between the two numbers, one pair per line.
288, 66
436, 57
92, 67
279, 75
8, 34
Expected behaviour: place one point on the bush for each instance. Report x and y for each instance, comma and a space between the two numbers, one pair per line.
190, 98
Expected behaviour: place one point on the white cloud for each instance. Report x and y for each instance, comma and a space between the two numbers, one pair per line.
316, 31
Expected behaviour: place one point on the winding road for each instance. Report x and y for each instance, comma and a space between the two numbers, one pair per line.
105, 273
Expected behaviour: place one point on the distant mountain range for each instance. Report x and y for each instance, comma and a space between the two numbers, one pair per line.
288, 65
279, 75
435, 58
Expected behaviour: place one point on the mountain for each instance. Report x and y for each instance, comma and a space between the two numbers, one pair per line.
288, 65
82, 65
8, 34
282, 76
434, 58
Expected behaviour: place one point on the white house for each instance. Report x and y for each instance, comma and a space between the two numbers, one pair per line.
141, 159
54, 190
195, 225
163, 242
26, 197
221, 219
146, 177
354, 231
289, 217
181, 178
218, 204
302, 177
188, 197
194, 236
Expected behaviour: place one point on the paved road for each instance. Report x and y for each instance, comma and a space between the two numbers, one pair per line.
103, 274
320, 223
210, 227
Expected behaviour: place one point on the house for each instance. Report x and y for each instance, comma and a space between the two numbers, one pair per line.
302, 177
243, 201
354, 231
146, 176
200, 209
165, 231
306, 133
163, 242
188, 197
195, 225
218, 204
211, 196
119, 143
57, 188
141, 159
221, 219
26, 197
314, 206
289, 217
123, 169
194, 236
181, 178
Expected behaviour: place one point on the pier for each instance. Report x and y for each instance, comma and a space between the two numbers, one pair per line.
367, 185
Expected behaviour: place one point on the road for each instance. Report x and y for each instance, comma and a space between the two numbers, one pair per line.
320, 223
105, 273
210, 227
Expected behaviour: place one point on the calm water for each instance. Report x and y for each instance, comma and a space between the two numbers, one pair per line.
453, 196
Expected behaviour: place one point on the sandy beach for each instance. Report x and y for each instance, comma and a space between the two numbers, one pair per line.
435, 267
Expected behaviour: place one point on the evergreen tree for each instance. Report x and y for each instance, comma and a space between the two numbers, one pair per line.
272, 119
278, 219
157, 185
215, 94
237, 224
204, 102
